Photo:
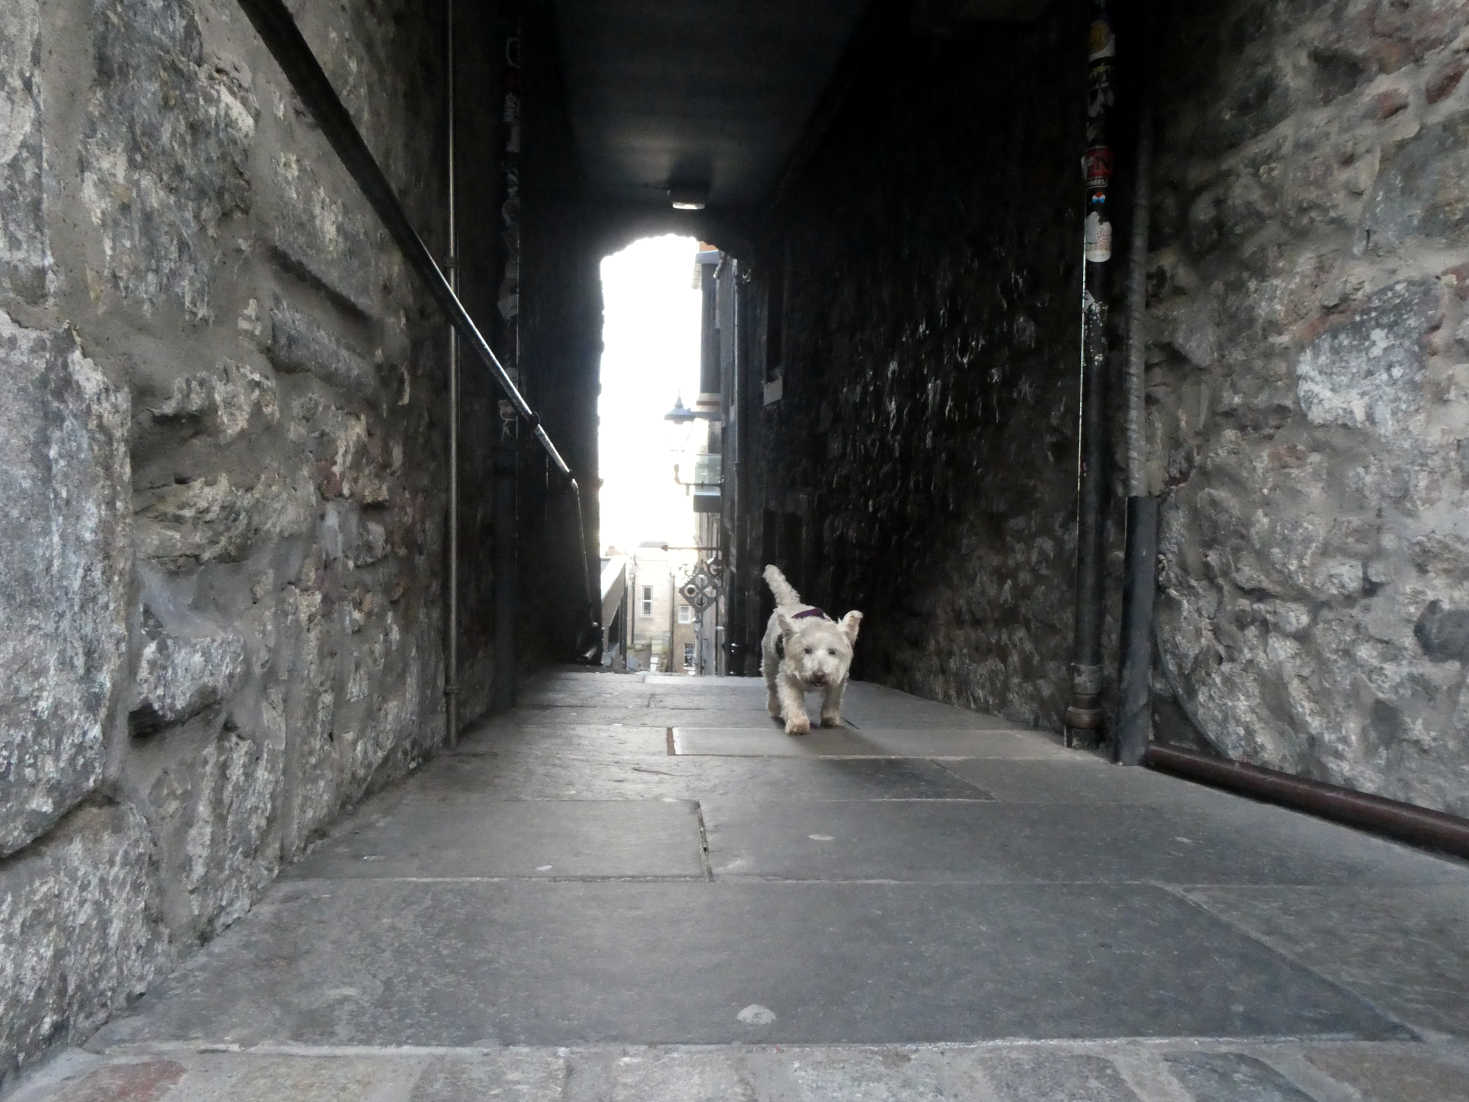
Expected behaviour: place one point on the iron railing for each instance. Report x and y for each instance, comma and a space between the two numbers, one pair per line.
278, 30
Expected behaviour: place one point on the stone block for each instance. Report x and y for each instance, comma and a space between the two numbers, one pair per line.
64, 560
181, 674
323, 232
1422, 189
1443, 633
353, 460
1445, 79
1256, 103
1326, 666
212, 808
379, 714
80, 920
298, 713
1386, 104
1400, 33
1192, 325
524, 1074
163, 156
1403, 951
1232, 1075
347, 537
299, 344
214, 520
1077, 1078
137, 1080
1367, 372
219, 403
1418, 1074
210, 1076
1328, 177
1335, 73
24, 250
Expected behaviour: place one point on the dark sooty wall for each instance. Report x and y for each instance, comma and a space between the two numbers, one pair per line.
921, 462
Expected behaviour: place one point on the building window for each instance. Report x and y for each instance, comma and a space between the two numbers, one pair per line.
775, 311
688, 656
647, 600
685, 614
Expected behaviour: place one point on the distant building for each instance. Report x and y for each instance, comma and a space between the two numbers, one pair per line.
616, 605
661, 623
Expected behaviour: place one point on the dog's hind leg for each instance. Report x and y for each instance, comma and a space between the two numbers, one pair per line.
831, 705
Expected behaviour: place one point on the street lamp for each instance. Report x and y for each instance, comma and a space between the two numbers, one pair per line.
680, 414
703, 587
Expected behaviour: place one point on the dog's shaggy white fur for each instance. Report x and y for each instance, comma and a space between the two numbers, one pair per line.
805, 650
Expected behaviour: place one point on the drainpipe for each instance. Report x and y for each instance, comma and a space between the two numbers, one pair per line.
1140, 584
451, 627
1084, 719
507, 456
1420, 826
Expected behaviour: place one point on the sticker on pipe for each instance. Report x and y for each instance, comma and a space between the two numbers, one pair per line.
1096, 166
1098, 239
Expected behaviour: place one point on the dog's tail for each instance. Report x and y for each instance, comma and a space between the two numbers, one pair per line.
784, 594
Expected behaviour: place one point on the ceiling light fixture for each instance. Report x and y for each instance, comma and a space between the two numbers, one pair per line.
687, 196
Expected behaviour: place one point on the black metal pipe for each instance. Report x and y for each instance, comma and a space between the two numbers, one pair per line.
1407, 822
589, 641
505, 565
1084, 717
1139, 593
451, 611
507, 450
1139, 587
278, 30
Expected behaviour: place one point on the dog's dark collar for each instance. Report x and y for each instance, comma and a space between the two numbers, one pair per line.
780, 641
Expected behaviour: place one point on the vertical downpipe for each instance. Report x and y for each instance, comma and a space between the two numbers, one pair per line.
507, 449
1084, 718
451, 661
1139, 587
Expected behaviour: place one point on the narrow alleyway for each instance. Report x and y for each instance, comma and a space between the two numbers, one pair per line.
640, 888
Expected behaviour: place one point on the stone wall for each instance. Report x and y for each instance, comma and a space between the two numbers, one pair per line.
921, 462
1309, 387
1307, 350
222, 453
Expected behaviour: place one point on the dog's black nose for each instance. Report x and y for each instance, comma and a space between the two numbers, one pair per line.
818, 678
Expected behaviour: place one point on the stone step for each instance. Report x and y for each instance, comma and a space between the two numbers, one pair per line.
1178, 1071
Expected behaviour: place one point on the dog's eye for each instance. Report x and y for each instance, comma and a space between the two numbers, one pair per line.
831, 651
806, 650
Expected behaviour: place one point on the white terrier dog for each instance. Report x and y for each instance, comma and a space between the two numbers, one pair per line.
804, 649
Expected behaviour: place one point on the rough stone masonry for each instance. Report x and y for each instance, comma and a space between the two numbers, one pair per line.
220, 462
1309, 387
1308, 376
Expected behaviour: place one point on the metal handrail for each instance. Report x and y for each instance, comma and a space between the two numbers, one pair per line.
278, 30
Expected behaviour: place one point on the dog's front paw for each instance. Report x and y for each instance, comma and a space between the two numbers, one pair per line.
831, 719
773, 703
797, 725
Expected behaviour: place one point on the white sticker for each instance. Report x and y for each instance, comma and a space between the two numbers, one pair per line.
1098, 239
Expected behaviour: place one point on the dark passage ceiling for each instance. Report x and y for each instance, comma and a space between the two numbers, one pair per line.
710, 94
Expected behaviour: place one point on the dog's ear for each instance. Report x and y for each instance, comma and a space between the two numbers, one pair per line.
850, 623
787, 625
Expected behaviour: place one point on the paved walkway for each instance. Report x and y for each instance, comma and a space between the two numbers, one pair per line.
639, 888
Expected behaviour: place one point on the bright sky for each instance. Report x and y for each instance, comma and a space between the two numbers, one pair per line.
650, 356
